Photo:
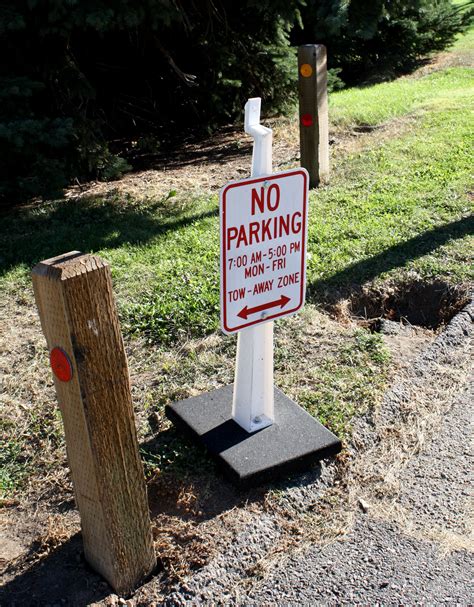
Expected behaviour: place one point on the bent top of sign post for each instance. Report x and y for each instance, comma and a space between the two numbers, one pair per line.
263, 223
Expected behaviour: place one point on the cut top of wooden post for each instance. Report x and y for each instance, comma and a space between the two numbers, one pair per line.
79, 319
68, 265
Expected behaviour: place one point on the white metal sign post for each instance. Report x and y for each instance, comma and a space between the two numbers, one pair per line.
263, 230
263, 261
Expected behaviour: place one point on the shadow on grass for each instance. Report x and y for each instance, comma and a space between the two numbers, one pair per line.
189, 491
63, 577
184, 468
93, 223
331, 289
222, 147
88, 224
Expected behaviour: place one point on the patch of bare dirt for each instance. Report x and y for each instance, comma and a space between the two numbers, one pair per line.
408, 315
441, 61
194, 515
414, 303
202, 168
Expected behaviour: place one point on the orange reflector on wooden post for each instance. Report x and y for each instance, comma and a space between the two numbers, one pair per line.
313, 105
60, 364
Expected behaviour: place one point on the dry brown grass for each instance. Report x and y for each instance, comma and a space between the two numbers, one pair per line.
190, 504
375, 475
180, 546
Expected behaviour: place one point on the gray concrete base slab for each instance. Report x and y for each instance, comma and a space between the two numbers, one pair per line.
292, 443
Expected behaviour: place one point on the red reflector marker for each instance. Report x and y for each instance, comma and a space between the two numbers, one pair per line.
306, 120
60, 364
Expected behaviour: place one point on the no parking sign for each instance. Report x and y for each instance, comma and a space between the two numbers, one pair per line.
263, 248
252, 428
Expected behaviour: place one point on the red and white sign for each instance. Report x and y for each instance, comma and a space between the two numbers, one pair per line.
263, 248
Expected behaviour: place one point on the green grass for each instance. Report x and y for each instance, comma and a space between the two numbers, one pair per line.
30, 447
12, 466
380, 103
347, 382
465, 42
398, 206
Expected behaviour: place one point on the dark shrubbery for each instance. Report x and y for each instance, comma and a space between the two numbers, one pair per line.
80, 73
381, 38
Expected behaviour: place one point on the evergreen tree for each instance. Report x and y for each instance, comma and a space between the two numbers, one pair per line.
80, 73
382, 37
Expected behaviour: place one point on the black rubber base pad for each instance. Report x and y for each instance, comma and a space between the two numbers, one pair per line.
292, 443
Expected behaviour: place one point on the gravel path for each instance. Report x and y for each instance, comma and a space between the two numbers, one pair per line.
376, 564
437, 485
410, 540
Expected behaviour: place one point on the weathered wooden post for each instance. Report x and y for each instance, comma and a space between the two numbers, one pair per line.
76, 305
313, 112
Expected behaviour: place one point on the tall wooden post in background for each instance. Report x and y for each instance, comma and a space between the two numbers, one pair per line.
313, 112
79, 319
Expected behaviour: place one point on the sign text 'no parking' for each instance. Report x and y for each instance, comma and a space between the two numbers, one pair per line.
263, 248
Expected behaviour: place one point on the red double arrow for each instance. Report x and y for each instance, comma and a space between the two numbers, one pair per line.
245, 312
